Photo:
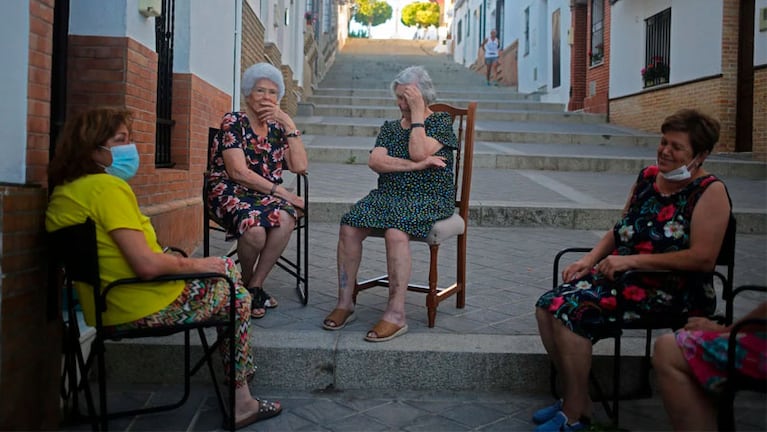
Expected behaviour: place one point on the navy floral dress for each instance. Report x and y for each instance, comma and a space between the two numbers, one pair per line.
654, 223
237, 207
410, 201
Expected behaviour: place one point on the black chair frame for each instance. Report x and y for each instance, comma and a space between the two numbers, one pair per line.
74, 250
726, 258
735, 380
298, 266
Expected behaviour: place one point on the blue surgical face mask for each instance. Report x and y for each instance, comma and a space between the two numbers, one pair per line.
125, 161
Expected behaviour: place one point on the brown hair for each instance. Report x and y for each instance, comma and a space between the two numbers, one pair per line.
702, 129
82, 134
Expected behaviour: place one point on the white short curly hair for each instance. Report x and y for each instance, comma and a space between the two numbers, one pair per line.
261, 71
420, 77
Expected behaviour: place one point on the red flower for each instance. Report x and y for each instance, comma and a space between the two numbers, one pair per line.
644, 247
651, 171
274, 218
634, 293
556, 302
666, 213
608, 303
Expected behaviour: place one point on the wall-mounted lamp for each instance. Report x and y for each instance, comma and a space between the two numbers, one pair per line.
150, 8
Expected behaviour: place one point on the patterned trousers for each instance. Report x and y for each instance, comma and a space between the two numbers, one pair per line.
203, 299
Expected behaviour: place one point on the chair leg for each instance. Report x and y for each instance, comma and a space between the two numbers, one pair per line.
460, 298
616, 381
726, 415
431, 297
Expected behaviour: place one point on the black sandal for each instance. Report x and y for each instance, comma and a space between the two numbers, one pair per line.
262, 299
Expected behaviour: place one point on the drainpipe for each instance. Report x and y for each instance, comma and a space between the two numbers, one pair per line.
237, 55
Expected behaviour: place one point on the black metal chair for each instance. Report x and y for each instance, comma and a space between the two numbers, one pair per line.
297, 267
74, 251
735, 380
726, 259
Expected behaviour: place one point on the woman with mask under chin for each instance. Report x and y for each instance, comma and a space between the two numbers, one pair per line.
94, 160
675, 218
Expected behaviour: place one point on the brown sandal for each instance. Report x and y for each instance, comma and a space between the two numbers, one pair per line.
384, 331
338, 319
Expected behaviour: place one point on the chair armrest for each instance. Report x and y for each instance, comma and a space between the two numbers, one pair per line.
174, 249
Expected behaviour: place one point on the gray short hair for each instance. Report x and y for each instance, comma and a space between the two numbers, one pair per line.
261, 71
417, 75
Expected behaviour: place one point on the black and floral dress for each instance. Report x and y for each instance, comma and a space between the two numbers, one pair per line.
237, 207
654, 223
410, 201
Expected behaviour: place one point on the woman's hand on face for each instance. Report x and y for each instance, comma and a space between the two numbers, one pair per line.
269, 111
433, 162
414, 98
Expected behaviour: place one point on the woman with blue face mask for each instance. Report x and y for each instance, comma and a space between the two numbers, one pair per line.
675, 218
88, 175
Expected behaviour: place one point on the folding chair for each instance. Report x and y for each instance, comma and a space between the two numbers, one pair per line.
74, 249
726, 258
443, 230
297, 267
735, 380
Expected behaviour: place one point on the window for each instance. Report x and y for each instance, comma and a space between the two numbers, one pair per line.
460, 30
326, 11
597, 47
468, 24
164, 45
657, 49
527, 30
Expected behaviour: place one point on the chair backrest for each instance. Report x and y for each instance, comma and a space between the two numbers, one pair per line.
464, 156
726, 255
75, 248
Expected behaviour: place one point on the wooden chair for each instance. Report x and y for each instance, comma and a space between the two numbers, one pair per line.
298, 266
725, 259
736, 381
454, 226
74, 250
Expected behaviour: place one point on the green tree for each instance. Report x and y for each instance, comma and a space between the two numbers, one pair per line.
422, 14
372, 12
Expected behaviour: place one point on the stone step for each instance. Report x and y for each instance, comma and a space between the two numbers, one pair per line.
389, 101
480, 93
495, 131
317, 360
391, 111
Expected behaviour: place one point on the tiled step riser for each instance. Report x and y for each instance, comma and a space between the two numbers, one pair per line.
489, 135
494, 214
495, 103
516, 116
348, 368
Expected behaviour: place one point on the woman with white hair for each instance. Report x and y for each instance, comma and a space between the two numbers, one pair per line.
245, 195
414, 158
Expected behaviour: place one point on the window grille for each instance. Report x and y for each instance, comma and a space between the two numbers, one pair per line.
460, 30
164, 41
657, 49
527, 31
597, 49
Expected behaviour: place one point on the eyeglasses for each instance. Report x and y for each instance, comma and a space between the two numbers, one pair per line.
264, 91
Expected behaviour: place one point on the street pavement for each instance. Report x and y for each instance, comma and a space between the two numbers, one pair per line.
481, 368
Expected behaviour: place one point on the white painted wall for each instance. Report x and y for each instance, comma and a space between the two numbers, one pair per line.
559, 94
694, 24
117, 18
204, 43
532, 66
760, 37
14, 44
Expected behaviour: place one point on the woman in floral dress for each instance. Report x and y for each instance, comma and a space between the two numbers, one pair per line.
675, 219
414, 158
245, 194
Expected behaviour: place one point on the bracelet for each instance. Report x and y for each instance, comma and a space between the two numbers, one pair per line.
274, 188
416, 125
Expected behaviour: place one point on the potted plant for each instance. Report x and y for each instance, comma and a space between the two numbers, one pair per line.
309, 18
656, 72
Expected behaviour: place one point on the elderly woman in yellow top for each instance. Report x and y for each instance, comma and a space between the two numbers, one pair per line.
94, 160
245, 195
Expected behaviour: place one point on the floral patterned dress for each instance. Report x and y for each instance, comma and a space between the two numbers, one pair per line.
410, 201
232, 205
654, 223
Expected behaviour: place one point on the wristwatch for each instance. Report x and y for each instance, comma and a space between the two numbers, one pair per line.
295, 133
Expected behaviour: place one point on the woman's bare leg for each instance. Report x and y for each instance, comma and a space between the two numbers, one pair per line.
574, 365
276, 240
349, 255
399, 267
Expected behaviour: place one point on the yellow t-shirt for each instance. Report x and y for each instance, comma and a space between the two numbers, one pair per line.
111, 203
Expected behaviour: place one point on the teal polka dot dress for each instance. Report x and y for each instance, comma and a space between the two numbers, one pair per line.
410, 201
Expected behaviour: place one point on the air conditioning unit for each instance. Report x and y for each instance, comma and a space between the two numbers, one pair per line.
763, 19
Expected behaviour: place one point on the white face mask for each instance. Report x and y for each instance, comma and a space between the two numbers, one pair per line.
679, 174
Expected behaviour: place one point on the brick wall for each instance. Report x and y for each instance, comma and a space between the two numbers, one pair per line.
598, 76
760, 113
30, 343
507, 72
578, 56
